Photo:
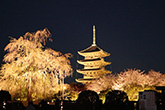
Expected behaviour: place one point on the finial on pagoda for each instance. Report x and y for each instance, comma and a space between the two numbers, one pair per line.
94, 37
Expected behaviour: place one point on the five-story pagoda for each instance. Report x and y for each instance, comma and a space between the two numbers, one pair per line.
94, 64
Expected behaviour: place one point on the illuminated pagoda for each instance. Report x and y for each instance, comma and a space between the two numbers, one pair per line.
94, 64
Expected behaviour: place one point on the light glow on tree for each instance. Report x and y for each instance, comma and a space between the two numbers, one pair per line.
131, 81
104, 83
32, 70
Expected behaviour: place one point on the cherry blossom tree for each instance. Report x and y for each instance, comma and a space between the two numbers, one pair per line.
31, 67
103, 83
156, 78
129, 77
132, 81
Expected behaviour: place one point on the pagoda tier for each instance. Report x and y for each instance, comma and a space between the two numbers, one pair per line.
93, 52
93, 63
94, 72
86, 80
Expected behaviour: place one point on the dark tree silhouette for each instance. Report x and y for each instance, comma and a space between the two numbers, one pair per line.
116, 100
88, 100
4, 96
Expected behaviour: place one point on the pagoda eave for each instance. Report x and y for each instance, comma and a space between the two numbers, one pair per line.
98, 54
82, 80
93, 72
90, 70
100, 62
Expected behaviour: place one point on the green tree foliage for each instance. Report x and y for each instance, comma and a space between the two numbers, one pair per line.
102, 95
32, 70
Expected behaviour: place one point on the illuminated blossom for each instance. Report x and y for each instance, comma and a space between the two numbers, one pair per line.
156, 78
103, 83
32, 68
132, 81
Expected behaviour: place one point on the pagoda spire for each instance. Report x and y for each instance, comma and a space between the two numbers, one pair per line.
94, 37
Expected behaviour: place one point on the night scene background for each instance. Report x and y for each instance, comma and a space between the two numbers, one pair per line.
132, 31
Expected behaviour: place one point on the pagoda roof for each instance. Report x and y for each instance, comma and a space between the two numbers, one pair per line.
90, 69
92, 48
85, 80
85, 60
83, 71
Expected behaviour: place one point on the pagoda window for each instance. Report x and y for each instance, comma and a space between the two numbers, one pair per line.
96, 56
86, 57
85, 75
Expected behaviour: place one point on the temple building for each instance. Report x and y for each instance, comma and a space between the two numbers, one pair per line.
93, 62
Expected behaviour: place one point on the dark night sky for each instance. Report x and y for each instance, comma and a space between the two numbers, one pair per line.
132, 31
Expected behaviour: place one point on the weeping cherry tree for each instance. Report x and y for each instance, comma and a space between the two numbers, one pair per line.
32, 70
